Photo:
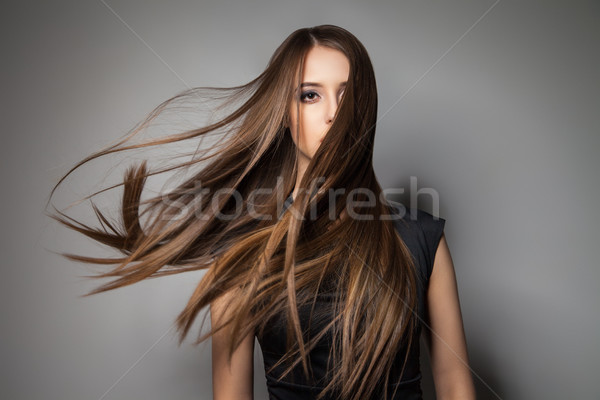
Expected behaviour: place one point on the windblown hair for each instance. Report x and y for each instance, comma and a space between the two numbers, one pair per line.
275, 264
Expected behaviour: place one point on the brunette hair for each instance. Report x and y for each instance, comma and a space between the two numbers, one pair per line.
276, 264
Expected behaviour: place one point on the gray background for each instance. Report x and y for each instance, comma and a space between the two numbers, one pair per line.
491, 106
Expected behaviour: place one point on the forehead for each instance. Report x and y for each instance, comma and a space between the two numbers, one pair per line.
325, 65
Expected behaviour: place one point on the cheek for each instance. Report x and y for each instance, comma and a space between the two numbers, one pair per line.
292, 129
309, 126
294, 134
296, 131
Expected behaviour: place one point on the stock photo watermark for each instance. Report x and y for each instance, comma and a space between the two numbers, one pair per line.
359, 198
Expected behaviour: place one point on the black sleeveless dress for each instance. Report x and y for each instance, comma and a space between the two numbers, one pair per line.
421, 232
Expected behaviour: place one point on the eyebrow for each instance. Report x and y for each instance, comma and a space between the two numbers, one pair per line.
305, 84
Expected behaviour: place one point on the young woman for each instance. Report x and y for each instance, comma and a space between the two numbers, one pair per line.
336, 282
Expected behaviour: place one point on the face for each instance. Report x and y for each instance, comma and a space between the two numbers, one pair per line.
324, 78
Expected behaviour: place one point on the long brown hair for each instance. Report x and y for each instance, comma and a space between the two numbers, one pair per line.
276, 263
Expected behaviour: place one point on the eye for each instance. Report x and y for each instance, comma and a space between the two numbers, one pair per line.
309, 97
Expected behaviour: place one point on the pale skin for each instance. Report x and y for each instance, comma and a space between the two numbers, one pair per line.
329, 69
324, 78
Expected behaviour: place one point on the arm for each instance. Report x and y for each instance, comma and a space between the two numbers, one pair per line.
231, 381
447, 344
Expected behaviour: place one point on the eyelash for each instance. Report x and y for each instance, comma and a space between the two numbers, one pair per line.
304, 94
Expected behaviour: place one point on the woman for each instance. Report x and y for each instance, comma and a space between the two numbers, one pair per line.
337, 281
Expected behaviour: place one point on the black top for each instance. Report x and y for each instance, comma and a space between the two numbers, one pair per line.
421, 232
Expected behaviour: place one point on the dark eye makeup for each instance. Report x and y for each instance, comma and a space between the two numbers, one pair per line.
308, 96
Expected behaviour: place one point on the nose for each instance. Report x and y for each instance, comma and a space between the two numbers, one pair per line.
331, 110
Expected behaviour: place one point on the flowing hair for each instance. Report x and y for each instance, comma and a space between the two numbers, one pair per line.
278, 263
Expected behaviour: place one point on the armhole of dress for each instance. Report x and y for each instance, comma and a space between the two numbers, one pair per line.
435, 238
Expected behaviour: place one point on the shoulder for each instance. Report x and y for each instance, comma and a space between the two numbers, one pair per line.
420, 230
421, 219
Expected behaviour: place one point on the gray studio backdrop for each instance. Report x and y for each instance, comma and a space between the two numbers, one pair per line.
490, 106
